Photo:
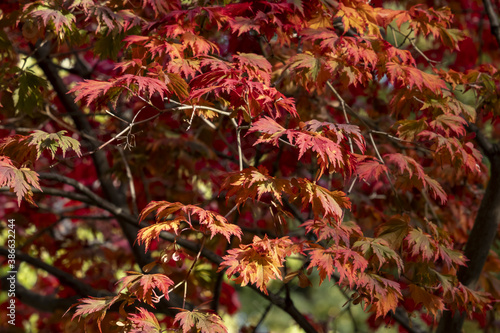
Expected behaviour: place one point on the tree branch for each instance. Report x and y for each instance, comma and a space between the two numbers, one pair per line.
74, 183
65, 278
44, 303
114, 195
494, 22
486, 146
289, 308
482, 235
402, 319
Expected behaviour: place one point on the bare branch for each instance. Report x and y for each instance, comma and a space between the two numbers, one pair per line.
130, 182
238, 140
342, 102
203, 107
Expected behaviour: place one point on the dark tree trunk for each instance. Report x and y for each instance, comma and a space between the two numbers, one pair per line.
482, 235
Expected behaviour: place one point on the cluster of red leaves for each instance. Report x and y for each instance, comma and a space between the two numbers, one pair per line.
209, 221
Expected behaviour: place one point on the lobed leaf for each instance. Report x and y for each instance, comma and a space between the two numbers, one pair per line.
252, 183
108, 91
202, 322
142, 286
324, 202
421, 244
326, 229
258, 262
383, 294
394, 231
347, 262
378, 248
52, 142
19, 180
94, 308
431, 302
144, 321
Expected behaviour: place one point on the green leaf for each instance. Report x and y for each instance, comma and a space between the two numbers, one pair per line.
54, 141
380, 249
408, 129
421, 244
394, 230
29, 94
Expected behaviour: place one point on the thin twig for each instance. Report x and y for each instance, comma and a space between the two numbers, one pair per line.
430, 61
203, 107
343, 104
394, 36
412, 42
238, 141
433, 211
190, 122
263, 316
375, 147
347, 107
231, 211
191, 269
389, 178
286, 142
352, 185
130, 182
115, 116
209, 123
233, 150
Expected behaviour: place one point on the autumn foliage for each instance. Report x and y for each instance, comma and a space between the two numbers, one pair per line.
160, 157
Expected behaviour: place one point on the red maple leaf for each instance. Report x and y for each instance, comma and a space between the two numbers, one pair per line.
143, 286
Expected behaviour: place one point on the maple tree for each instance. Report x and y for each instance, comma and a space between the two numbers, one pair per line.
161, 157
